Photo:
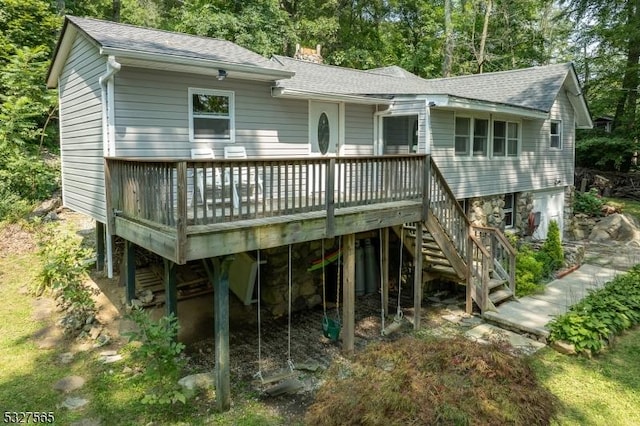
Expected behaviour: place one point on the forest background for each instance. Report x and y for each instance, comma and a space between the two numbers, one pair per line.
431, 38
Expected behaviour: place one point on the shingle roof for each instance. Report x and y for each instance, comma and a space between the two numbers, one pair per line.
146, 40
533, 88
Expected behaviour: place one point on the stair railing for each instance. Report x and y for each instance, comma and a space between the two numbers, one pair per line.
484, 249
502, 252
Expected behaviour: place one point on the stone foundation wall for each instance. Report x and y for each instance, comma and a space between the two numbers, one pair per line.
489, 211
569, 199
306, 289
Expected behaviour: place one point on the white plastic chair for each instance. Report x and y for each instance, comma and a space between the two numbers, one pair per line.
207, 153
238, 152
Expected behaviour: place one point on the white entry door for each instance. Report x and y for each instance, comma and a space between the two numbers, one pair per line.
550, 204
324, 118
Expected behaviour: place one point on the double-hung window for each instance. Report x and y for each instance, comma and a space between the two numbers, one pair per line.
463, 135
482, 137
555, 134
211, 115
505, 138
509, 202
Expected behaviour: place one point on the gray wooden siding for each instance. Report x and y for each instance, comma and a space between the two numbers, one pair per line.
538, 167
81, 130
152, 116
358, 130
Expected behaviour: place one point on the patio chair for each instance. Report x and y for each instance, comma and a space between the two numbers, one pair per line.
241, 177
210, 173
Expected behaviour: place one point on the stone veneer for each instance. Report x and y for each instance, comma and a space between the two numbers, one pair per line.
306, 289
489, 211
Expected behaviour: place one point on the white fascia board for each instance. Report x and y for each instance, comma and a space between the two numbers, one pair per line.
281, 92
452, 102
61, 54
124, 55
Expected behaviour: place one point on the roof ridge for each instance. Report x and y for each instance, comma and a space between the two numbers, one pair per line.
493, 73
288, 58
151, 29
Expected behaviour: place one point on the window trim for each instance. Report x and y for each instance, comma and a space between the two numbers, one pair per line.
559, 134
511, 210
214, 92
490, 141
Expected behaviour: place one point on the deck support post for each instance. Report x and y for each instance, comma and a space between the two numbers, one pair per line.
384, 273
349, 292
130, 270
417, 277
469, 277
170, 288
221, 320
100, 229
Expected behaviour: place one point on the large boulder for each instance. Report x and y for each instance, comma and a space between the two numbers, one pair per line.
616, 227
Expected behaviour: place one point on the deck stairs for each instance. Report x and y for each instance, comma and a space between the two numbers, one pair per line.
454, 250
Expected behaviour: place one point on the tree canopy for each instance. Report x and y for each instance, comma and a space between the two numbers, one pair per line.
431, 38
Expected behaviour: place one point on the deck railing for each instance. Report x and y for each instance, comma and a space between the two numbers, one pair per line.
187, 192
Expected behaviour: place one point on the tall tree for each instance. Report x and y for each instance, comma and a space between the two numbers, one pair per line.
615, 31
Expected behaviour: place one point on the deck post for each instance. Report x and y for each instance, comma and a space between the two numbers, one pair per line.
221, 319
384, 273
130, 270
330, 198
349, 293
99, 246
170, 288
417, 277
469, 276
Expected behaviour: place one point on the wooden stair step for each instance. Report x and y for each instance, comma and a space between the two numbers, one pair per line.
437, 261
500, 295
494, 282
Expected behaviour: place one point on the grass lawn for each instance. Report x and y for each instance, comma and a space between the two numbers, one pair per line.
604, 390
598, 391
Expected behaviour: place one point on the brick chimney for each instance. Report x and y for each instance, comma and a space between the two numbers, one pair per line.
308, 54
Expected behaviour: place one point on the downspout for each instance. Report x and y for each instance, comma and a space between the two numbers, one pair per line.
108, 139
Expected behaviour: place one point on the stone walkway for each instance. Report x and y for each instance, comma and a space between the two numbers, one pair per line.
531, 314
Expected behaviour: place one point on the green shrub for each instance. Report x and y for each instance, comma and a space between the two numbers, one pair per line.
159, 353
609, 153
64, 268
589, 203
529, 272
553, 247
594, 320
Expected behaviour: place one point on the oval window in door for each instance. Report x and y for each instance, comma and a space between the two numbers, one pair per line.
323, 133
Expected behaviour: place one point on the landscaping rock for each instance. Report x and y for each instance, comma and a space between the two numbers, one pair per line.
66, 358
564, 347
290, 387
617, 227
69, 384
74, 403
197, 381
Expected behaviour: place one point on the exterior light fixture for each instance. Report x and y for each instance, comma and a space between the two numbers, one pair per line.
222, 74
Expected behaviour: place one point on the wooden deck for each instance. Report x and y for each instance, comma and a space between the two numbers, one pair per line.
193, 209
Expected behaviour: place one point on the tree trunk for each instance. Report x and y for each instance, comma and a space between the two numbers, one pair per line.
116, 10
483, 39
628, 101
448, 40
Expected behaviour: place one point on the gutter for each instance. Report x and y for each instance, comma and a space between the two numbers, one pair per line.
281, 92
108, 138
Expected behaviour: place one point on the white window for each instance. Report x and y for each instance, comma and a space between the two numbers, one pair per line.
463, 135
482, 137
211, 115
509, 202
505, 138
555, 133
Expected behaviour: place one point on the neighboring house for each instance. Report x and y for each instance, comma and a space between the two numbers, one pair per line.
135, 103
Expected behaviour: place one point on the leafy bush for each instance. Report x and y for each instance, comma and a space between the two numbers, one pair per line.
594, 320
589, 203
64, 267
552, 248
607, 153
528, 272
160, 354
